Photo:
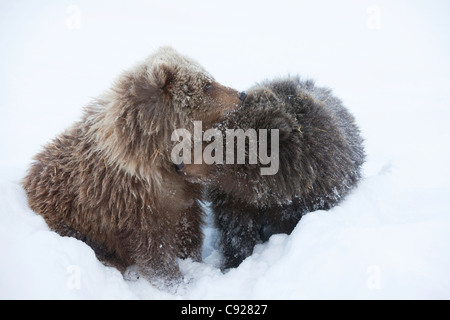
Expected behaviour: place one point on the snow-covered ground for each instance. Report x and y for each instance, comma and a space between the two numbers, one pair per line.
388, 60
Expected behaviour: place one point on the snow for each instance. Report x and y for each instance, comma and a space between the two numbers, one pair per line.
388, 61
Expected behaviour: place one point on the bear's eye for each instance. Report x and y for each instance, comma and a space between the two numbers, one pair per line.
207, 87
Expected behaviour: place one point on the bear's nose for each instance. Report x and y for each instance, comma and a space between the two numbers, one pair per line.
242, 96
179, 167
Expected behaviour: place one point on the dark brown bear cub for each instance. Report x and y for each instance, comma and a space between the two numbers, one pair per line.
320, 154
109, 181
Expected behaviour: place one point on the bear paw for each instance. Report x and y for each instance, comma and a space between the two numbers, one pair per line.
132, 273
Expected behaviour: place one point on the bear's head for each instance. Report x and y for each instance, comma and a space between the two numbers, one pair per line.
133, 122
263, 111
171, 86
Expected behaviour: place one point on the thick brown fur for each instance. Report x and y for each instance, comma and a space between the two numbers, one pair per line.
108, 180
320, 158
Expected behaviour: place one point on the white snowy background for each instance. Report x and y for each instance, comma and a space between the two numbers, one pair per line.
388, 60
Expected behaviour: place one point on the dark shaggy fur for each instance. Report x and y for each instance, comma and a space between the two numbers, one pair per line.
320, 155
108, 180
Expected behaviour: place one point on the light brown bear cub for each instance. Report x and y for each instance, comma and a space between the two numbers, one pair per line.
109, 181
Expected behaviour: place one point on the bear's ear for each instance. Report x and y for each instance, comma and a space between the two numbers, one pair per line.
165, 76
283, 124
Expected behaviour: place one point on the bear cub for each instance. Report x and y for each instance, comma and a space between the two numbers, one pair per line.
109, 181
320, 155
